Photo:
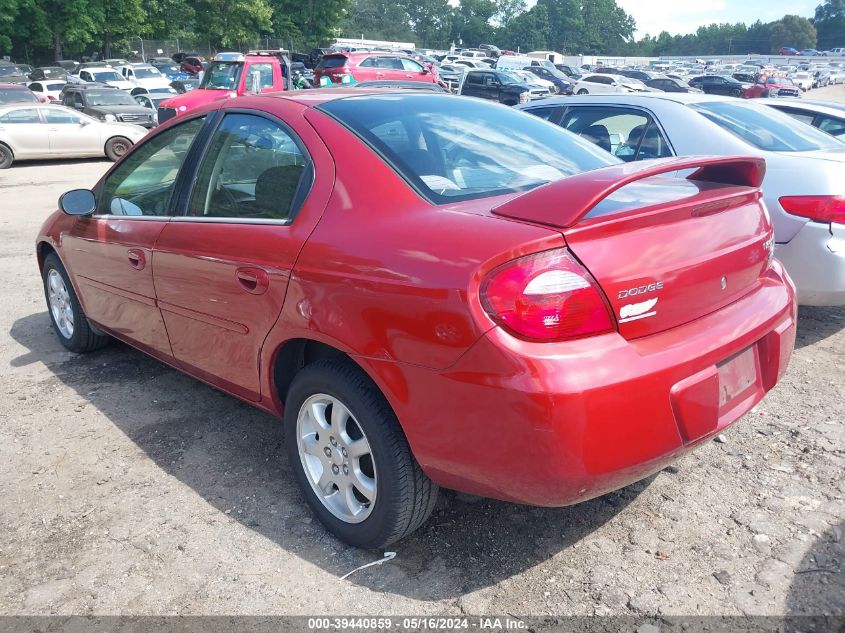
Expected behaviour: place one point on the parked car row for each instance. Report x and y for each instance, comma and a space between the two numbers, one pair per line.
393, 273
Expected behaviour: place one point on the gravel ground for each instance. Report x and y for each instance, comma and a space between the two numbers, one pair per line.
128, 488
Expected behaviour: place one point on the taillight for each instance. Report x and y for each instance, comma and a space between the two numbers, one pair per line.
819, 208
548, 296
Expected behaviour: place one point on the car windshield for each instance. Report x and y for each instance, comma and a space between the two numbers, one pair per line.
628, 81
108, 75
8, 71
764, 128
222, 76
449, 148
55, 73
147, 73
16, 95
505, 78
783, 81
108, 98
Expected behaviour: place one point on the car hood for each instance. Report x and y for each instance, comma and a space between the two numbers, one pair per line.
195, 98
120, 109
154, 82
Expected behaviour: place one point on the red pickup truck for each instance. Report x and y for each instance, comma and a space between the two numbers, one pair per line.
233, 75
772, 86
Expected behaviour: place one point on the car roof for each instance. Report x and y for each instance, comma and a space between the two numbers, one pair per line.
319, 96
683, 98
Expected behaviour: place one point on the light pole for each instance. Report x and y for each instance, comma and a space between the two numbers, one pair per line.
143, 55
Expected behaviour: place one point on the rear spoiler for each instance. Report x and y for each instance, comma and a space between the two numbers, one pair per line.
564, 202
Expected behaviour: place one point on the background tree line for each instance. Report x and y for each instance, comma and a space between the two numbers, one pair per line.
50, 29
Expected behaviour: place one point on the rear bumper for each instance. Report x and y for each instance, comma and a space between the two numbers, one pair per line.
815, 259
555, 424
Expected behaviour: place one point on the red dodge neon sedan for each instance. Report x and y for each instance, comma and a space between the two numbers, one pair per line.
431, 291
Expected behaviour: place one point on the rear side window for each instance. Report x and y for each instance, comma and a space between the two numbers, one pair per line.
333, 61
449, 148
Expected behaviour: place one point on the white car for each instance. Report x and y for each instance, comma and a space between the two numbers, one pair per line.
39, 132
601, 83
47, 90
105, 75
803, 80
144, 75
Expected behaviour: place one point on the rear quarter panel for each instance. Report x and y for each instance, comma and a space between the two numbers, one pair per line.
387, 275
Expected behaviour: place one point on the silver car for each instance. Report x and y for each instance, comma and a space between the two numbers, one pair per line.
805, 168
40, 132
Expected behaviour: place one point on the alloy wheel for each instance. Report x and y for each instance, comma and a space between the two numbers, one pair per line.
60, 304
337, 458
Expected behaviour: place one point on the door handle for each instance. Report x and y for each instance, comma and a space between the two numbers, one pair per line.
254, 280
379, 74
136, 258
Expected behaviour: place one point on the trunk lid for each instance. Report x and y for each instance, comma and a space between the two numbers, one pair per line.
664, 250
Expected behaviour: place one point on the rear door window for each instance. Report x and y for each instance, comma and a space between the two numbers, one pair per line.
334, 61
627, 133
18, 117
255, 169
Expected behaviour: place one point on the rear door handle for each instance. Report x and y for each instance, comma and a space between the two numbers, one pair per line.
136, 258
254, 280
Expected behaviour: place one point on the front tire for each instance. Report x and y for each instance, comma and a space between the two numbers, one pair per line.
7, 156
583, 91
351, 459
69, 321
116, 147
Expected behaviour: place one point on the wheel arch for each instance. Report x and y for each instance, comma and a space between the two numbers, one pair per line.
42, 250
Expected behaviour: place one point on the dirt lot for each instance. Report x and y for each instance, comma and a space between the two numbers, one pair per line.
127, 488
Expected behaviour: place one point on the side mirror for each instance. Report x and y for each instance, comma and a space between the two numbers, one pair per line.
425, 71
78, 202
253, 82
79, 106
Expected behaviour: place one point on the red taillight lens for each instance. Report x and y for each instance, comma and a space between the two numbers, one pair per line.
818, 208
547, 297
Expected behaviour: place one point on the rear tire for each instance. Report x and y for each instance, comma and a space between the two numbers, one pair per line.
736, 93
7, 156
116, 147
69, 321
331, 405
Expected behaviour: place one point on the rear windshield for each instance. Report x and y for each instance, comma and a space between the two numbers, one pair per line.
146, 73
17, 95
8, 71
108, 98
765, 128
222, 76
451, 148
54, 86
107, 76
334, 61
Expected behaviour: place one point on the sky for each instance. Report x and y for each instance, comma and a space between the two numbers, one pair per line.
685, 16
